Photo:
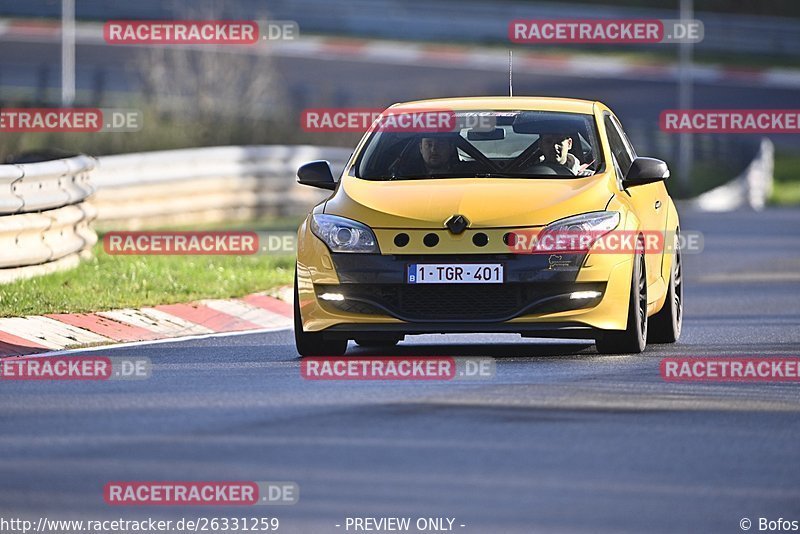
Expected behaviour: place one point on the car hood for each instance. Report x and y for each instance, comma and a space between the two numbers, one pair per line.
485, 202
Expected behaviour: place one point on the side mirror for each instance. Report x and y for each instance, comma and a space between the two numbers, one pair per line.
316, 174
645, 171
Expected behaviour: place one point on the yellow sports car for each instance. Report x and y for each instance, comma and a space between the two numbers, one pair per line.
490, 215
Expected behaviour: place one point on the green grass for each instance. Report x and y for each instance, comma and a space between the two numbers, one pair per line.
786, 187
705, 176
108, 282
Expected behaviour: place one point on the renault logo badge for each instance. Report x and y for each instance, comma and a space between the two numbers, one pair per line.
457, 224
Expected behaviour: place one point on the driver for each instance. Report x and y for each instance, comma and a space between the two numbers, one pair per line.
437, 153
556, 149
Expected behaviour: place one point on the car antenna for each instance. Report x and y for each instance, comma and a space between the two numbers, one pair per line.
510, 74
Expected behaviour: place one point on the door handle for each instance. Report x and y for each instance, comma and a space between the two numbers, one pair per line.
658, 204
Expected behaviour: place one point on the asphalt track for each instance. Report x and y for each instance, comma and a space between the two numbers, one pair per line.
560, 440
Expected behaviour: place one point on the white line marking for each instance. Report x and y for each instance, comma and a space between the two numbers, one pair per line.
150, 342
750, 277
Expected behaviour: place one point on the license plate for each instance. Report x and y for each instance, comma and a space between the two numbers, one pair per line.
455, 273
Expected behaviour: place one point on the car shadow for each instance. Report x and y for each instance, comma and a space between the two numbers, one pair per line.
526, 349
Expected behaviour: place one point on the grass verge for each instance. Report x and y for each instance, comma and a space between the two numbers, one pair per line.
109, 282
786, 186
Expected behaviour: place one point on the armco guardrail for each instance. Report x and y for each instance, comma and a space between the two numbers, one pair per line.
187, 186
44, 219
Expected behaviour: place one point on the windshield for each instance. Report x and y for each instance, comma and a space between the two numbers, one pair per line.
486, 144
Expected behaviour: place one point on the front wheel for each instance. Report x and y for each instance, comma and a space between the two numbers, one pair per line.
633, 339
665, 326
313, 343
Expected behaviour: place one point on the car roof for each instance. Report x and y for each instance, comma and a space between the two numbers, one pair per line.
528, 103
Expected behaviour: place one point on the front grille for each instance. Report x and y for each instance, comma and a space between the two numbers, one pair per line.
458, 302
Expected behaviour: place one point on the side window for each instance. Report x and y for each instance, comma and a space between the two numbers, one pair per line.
619, 147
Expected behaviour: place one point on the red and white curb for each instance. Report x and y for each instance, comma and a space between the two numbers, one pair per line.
452, 56
578, 65
33, 334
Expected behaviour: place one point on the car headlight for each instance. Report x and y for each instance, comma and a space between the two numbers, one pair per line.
343, 235
597, 221
576, 233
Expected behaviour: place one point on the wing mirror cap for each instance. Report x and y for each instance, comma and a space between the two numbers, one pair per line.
316, 174
646, 171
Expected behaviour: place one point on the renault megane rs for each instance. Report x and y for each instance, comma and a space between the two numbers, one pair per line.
490, 215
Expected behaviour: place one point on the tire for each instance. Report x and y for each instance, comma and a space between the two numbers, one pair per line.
633, 339
665, 326
313, 343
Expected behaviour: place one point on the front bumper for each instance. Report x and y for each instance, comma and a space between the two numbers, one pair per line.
535, 298
534, 284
